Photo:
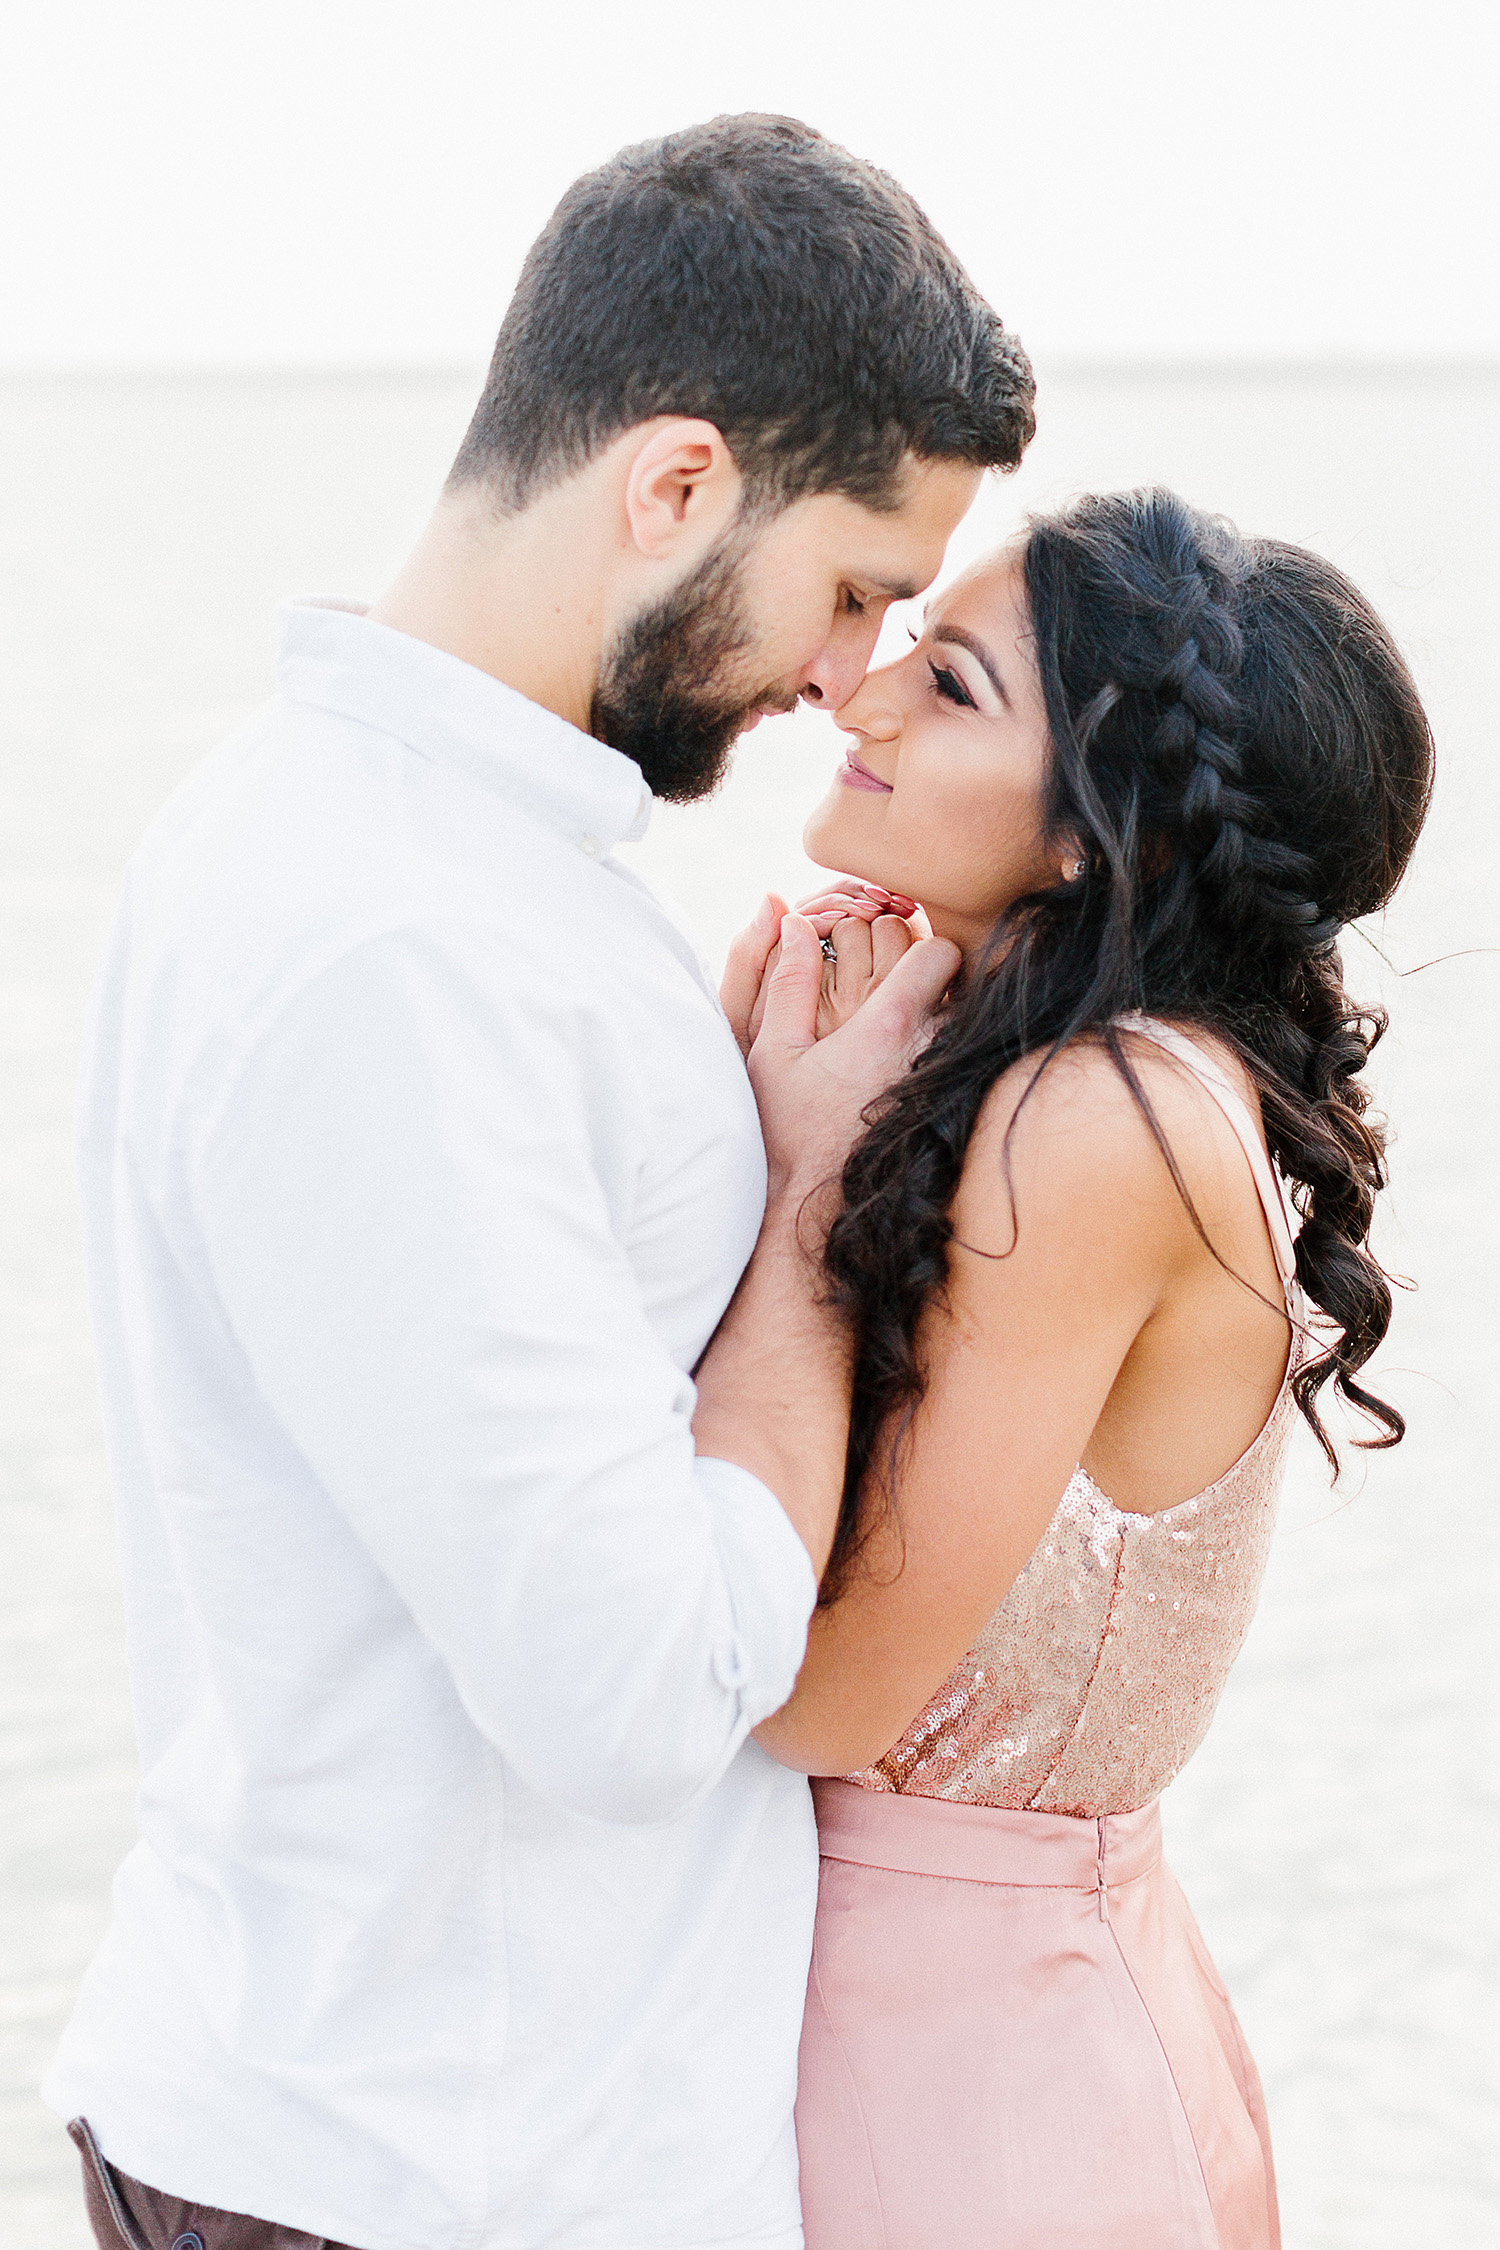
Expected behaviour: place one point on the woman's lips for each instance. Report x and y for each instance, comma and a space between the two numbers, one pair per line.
857, 775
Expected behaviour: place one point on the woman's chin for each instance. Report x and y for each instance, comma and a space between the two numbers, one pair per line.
837, 845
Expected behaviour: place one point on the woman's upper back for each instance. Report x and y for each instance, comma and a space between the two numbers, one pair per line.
1096, 1678
1109, 1305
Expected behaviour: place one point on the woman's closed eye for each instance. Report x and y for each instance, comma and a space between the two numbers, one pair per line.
950, 686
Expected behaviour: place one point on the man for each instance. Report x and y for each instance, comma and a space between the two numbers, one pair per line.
420, 1165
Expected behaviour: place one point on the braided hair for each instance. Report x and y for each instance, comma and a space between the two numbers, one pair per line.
1240, 751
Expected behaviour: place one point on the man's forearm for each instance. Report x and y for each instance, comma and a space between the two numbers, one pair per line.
773, 1386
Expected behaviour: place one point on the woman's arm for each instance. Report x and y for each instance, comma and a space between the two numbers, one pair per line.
1021, 1361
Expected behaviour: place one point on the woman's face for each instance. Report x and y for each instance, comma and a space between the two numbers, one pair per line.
942, 789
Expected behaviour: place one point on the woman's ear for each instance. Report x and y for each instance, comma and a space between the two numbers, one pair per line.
682, 490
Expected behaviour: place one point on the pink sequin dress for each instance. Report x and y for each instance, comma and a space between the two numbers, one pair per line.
1015, 2038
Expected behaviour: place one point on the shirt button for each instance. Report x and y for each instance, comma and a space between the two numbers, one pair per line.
589, 845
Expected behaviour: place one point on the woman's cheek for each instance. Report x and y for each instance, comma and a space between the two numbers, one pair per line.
922, 844
971, 848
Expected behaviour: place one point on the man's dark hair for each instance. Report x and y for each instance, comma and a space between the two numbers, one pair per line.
750, 272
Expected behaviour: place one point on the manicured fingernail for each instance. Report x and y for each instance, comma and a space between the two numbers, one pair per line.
765, 916
876, 891
902, 904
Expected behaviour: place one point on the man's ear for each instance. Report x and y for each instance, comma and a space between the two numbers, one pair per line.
682, 490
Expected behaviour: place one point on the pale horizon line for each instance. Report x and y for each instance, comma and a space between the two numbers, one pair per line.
1115, 365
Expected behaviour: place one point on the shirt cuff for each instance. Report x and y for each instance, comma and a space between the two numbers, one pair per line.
772, 1590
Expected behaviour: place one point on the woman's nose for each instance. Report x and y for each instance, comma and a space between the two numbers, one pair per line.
870, 716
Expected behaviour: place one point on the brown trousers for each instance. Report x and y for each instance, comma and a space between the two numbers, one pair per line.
125, 2215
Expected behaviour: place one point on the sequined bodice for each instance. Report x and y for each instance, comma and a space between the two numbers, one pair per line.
1096, 1679
1094, 1682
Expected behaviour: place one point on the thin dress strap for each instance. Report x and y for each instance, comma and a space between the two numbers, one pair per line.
1221, 1089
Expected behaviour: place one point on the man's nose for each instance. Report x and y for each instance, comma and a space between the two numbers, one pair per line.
834, 676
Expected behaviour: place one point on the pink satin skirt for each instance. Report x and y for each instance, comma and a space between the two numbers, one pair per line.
1015, 2040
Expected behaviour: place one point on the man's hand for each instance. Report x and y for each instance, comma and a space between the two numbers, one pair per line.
813, 1091
864, 953
745, 969
868, 928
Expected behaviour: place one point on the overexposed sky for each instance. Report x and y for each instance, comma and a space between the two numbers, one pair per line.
331, 182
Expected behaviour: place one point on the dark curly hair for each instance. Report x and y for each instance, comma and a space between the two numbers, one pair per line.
1240, 751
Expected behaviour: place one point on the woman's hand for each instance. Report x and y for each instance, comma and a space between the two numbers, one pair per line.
864, 953
869, 929
847, 895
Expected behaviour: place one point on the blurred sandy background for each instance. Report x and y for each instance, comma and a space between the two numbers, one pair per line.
1337, 1833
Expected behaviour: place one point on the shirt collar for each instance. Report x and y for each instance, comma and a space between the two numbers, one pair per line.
333, 656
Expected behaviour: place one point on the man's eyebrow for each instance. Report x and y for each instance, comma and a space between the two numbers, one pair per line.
895, 590
978, 651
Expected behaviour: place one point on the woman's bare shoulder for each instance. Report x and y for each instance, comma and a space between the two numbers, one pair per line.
1069, 1133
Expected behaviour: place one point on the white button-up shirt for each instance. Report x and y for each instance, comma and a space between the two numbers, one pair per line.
419, 1164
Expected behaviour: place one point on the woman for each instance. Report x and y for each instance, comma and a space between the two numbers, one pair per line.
1141, 770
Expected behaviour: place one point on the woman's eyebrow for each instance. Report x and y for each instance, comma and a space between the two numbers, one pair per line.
978, 651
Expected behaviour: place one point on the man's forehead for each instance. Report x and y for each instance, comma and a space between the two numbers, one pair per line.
900, 550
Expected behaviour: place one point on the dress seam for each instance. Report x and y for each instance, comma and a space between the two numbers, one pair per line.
1055, 1768
1124, 1961
998, 1882
859, 2106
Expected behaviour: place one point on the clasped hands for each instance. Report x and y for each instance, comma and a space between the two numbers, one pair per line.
822, 1038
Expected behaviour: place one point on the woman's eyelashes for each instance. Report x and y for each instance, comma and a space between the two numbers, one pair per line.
949, 685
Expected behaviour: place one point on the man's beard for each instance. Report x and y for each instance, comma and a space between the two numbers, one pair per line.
665, 697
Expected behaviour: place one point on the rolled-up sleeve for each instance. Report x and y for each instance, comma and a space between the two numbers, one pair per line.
413, 1192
